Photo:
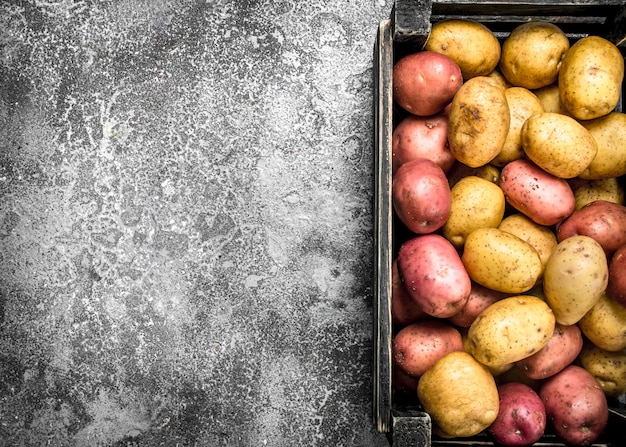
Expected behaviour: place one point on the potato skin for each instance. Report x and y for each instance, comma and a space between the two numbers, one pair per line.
601, 220
590, 78
434, 275
609, 368
425, 82
479, 299
479, 122
575, 405
609, 132
604, 325
510, 330
543, 197
421, 137
521, 419
587, 191
562, 349
418, 346
421, 195
404, 310
616, 288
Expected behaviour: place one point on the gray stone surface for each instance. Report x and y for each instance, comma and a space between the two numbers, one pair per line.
186, 222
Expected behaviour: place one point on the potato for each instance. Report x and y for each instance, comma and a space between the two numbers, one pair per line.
404, 385
616, 289
587, 191
460, 395
608, 368
521, 419
425, 82
433, 274
498, 80
421, 137
478, 122
601, 220
575, 405
532, 54
541, 196
609, 132
510, 330
404, 310
575, 277
561, 350
540, 237
479, 299
605, 324
476, 203
590, 78
472, 45
501, 261
418, 346
515, 375
558, 144
459, 170
550, 99
522, 105
421, 196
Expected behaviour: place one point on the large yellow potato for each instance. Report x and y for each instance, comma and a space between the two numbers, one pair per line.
609, 132
476, 203
479, 121
501, 261
558, 144
590, 78
459, 394
575, 277
522, 105
609, 368
470, 44
587, 191
605, 324
532, 54
510, 330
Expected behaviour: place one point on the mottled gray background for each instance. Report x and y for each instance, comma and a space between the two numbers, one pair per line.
186, 222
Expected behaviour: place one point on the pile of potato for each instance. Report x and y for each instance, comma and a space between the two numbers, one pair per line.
509, 287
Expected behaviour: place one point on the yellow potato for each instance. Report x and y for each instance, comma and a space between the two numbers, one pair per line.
558, 144
575, 277
501, 261
499, 80
609, 368
532, 54
522, 105
550, 99
487, 172
459, 394
590, 78
476, 203
472, 45
479, 121
510, 330
605, 324
541, 238
587, 191
609, 132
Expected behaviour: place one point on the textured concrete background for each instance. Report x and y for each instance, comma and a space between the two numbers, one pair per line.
186, 222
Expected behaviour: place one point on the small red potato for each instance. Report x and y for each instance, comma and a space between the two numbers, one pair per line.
434, 275
541, 196
575, 405
521, 419
425, 82
419, 345
616, 288
404, 310
562, 349
421, 137
601, 220
421, 196
479, 299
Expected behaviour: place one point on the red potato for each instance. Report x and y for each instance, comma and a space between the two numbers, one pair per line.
601, 220
404, 310
421, 196
434, 275
575, 405
421, 137
562, 349
424, 83
404, 384
541, 196
521, 419
616, 288
418, 346
479, 299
